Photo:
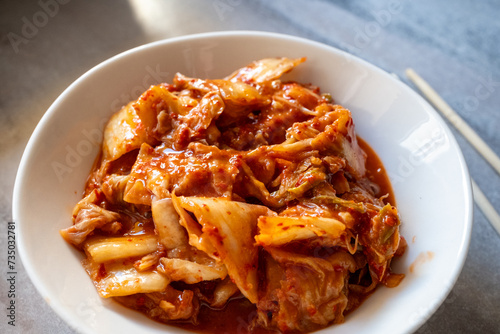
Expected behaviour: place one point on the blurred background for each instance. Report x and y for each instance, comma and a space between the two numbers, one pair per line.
454, 45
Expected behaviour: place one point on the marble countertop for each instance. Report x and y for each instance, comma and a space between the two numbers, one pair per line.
47, 44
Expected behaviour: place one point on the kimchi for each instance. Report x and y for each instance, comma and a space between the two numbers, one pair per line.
247, 202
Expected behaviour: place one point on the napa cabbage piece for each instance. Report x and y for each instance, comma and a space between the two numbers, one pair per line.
330, 132
124, 132
265, 70
191, 272
88, 216
151, 260
169, 304
194, 124
225, 230
152, 103
299, 178
123, 280
113, 187
239, 98
304, 98
196, 236
278, 230
159, 171
170, 233
303, 293
381, 240
102, 249
179, 119
223, 291
200, 117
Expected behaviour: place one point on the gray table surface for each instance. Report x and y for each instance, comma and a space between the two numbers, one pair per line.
454, 45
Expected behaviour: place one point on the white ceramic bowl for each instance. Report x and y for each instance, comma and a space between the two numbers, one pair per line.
428, 172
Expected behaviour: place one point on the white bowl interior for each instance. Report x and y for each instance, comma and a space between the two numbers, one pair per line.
430, 178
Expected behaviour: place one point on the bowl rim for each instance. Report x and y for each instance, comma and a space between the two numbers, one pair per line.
62, 312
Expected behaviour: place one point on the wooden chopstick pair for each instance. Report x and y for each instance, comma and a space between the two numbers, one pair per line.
481, 200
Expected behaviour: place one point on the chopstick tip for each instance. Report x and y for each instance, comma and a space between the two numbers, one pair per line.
410, 72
